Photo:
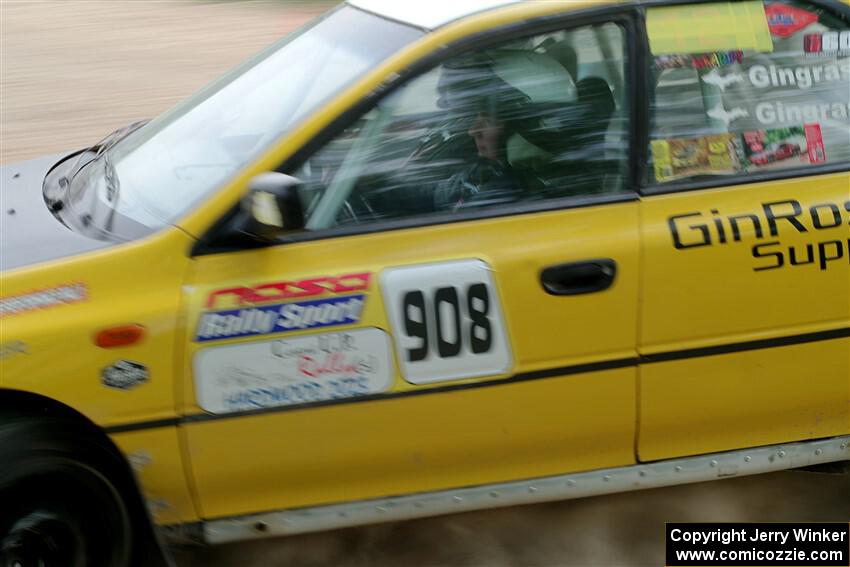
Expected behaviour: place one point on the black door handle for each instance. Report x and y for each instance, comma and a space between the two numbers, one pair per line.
588, 276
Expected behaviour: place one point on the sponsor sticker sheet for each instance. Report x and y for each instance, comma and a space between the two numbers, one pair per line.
788, 106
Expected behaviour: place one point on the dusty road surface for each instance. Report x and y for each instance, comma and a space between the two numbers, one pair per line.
619, 530
75, 70
72, 71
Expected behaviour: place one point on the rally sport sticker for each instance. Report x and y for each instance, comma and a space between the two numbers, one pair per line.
258, 310
294, 371
447, 322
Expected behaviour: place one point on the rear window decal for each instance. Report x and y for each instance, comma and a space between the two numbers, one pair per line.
802, 86
686, 157
827, 44
715, 26
700, 60
798, 145
753, 150
785, 21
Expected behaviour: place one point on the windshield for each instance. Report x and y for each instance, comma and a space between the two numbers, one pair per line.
188, 152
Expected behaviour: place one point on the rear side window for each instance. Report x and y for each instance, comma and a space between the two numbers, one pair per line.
747, 87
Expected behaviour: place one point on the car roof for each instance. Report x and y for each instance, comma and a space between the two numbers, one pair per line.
428, 14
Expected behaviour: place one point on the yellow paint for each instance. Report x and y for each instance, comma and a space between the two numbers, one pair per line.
439, 440
790, 300
704, 28
745, 399
711, 295
156, 459
470, 437
362, 441
144, 283
131, 283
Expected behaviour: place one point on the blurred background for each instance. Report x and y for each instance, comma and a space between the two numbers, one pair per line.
75, 70
72, 71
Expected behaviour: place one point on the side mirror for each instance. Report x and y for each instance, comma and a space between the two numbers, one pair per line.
272, 207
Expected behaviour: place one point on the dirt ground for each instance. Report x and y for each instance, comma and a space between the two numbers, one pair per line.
70, 72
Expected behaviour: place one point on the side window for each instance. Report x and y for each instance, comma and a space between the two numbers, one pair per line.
538, 118
747, 87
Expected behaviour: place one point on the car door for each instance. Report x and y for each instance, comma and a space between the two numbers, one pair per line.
461, 309
746, 286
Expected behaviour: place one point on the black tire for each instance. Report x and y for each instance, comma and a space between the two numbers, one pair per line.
60, 504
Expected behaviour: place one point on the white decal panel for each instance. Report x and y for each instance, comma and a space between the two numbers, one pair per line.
447, 321
300, 370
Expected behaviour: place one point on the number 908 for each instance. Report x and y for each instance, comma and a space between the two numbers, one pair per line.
454, 318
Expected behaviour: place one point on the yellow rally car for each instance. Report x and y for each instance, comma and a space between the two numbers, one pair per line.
431, 257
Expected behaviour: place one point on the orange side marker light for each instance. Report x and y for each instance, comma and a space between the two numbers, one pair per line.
122, 335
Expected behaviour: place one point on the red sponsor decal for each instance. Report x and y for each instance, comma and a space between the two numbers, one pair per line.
828, 43
814, 142
277, 291
813, 43
332, 364
785, 21
754, 140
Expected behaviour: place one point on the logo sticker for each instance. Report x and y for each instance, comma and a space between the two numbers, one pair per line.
261, 310
765, 228
279, 291
42, 299
124, 375
300, 370
700, 61
814, 143
722, 82
784, 21
676, 158
280, 318
827, 44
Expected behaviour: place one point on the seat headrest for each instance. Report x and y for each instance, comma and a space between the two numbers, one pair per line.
595, 91
540, 77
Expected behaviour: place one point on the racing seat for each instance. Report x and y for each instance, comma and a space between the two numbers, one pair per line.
591, 138
565, 147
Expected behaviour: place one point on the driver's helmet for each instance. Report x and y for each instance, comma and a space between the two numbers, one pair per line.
506, 84
468, 87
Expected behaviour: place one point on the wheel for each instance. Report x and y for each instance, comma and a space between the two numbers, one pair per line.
60, 508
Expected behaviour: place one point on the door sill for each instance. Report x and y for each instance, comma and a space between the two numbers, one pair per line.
670, 472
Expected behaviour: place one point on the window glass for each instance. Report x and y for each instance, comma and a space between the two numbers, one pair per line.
773, 93
185, 154
533, 119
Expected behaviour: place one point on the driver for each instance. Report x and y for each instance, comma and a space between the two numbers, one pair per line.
484, 105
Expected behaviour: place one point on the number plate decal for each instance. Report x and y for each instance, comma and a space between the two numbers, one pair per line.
447, 321
292, 371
